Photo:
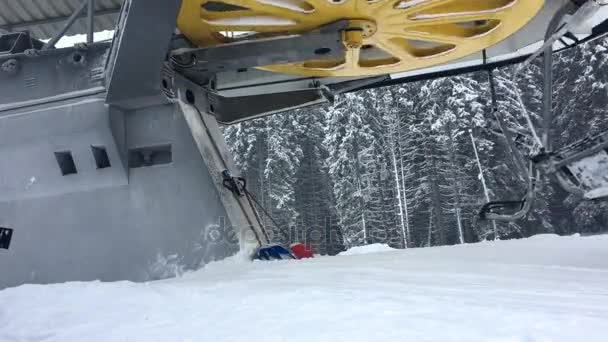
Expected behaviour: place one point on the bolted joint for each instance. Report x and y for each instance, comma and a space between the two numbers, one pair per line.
10, 66
353, 38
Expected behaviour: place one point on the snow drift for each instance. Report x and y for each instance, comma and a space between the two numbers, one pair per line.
368, 249
546, 288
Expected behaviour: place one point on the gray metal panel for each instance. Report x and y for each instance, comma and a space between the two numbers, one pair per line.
134, 71
43, 17
108, 231
54, 73
74, 126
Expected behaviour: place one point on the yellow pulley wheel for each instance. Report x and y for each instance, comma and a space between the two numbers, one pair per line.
384, 36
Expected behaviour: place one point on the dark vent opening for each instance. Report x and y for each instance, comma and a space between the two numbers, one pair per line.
102, 160
66, 163
150, 155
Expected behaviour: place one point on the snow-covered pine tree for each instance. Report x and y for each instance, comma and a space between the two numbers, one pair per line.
282, 162
383, 200
314, 201
343, 138
422, 153
458, 98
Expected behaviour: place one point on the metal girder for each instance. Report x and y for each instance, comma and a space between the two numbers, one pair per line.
234, 109
37, 77
230, 110
211, 144
90, 21
197, 64
144, 31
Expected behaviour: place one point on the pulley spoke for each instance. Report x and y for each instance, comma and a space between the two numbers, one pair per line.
469, 6
451, 18
323, 64
450, 33
352, 56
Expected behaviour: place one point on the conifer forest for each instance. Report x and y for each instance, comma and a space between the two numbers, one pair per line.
397, 165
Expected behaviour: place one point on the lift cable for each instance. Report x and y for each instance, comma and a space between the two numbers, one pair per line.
238, 186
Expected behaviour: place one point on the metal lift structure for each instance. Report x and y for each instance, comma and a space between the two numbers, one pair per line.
112, 160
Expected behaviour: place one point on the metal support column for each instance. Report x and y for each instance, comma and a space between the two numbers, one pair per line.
518, 160
133, 73
216, 155
90, 21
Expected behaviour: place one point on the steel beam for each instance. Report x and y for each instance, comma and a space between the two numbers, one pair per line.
324, 43
90, 21
144, 31
213, 149
234, 109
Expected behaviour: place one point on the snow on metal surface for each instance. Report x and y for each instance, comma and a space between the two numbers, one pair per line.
593, 174
597, 193
44, 18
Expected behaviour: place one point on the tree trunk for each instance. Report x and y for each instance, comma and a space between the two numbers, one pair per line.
455, 182
436, 198
398, 183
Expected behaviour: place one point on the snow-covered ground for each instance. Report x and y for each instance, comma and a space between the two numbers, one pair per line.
546, 288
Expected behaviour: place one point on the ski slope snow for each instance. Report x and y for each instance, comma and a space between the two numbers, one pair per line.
545, 288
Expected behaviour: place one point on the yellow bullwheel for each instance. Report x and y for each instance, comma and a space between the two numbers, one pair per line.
383, 36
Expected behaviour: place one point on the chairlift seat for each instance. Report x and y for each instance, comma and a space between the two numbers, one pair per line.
581, 167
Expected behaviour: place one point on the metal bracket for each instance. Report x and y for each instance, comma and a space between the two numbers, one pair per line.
234, 109
139, 49
230, 110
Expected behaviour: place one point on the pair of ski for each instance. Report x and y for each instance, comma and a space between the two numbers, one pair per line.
278, 252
